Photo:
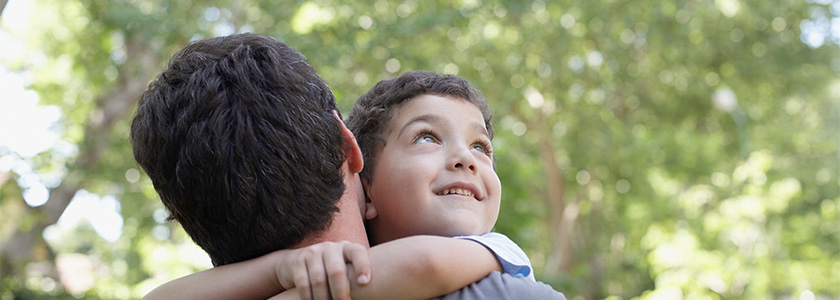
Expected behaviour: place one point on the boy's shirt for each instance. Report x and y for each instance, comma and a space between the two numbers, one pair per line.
515, 282
514, 261
505, 287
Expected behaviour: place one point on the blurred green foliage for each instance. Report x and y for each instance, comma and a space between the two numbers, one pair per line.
647, 149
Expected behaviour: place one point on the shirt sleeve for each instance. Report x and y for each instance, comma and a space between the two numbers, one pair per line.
514, 261
505, 287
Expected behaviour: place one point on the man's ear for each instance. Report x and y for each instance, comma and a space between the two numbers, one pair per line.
350, 147
370, 208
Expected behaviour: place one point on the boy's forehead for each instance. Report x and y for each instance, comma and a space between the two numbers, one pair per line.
424, 113
395, 109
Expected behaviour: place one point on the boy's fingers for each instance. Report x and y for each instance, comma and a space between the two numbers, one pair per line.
293, 274
358, 256
300, 277
337, 273
317, 277
302, 284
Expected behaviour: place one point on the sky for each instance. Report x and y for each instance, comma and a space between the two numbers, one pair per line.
27, 128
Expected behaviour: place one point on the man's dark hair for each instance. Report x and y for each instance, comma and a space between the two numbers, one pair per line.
372, 113
238, 138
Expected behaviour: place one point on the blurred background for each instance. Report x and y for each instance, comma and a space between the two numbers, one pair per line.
647, 149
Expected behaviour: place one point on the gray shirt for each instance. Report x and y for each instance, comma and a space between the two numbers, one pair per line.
505, 287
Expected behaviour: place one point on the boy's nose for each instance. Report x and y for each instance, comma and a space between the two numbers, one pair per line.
461, 158
459, 165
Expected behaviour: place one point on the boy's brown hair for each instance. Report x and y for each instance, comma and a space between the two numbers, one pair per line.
370, 116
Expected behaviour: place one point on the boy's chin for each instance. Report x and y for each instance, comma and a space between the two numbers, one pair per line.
461, 230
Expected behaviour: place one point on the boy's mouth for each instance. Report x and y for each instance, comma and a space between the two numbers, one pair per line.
461, 189
457, 191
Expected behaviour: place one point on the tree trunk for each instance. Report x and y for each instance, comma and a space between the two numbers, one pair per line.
3, 6
563, 214
26, 244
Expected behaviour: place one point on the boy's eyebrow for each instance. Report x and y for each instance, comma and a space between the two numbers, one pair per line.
428, 118
480, 128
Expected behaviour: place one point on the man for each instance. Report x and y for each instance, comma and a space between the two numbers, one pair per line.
241, 140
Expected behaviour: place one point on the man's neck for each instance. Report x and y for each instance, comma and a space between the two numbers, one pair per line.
347, 224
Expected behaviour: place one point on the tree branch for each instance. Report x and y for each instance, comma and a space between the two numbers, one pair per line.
114, 105
4, 176
3, 6
111, 107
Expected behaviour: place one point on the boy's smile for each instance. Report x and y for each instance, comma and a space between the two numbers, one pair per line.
462, 189
434, 175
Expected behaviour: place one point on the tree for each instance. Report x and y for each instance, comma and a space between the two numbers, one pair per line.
3, 5
622, 177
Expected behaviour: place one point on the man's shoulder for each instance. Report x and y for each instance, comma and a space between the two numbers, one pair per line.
504, 286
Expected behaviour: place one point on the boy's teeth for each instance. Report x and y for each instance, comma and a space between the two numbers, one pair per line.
457, 191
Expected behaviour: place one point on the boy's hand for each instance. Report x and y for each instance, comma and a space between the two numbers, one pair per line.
320, 271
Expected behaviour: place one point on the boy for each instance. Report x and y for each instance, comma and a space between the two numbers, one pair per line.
425, 138
217, 133
430, 134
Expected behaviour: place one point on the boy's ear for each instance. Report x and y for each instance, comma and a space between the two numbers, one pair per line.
370, 208
350, 147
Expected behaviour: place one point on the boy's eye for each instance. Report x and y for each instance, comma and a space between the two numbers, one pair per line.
425, 137
483, 148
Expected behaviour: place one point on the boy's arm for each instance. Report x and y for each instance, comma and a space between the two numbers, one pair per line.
416, 267
259, 278
423, 267
251, 279
420, 267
